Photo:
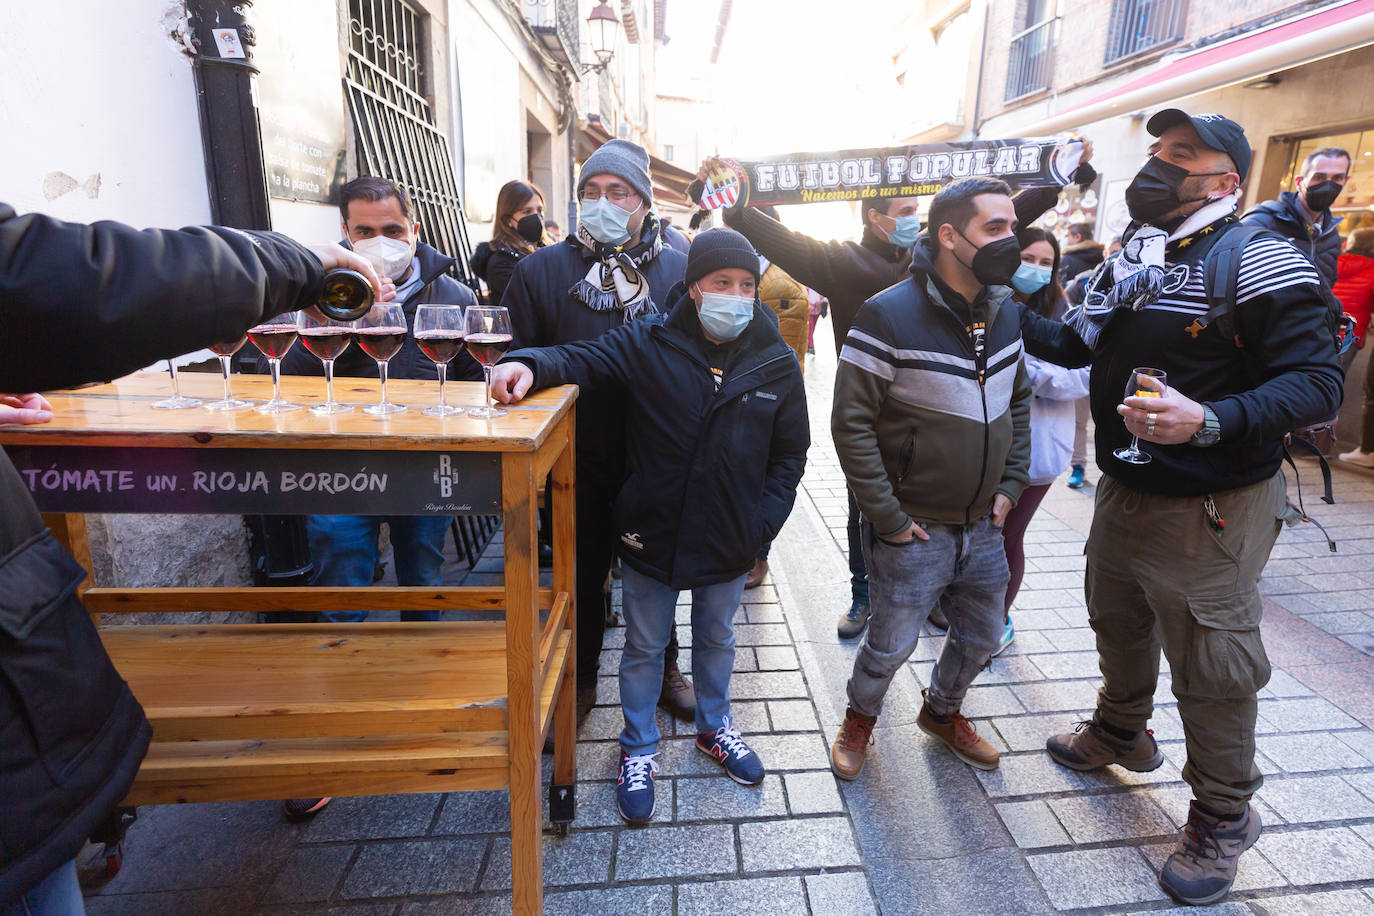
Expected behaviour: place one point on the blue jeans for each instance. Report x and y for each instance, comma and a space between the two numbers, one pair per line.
967, 564
649, 617
58, 894
344, 550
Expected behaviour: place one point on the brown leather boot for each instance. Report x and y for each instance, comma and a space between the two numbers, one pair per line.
677, 695
851, 744
960, 736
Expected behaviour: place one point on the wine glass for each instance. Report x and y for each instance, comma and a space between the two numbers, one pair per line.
327, 339
488, 338
225, 352
439, 334
176, 401
275, 338
381, 333
1143, 382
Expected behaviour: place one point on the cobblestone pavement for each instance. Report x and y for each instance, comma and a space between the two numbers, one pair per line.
919, 832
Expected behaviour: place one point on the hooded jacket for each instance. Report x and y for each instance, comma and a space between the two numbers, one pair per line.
80, 304
1321, 244
436, 285
712, 471
788, 301
928, 426
1355, 288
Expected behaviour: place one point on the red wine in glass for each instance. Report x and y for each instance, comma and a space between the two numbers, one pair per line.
440, 346
488, 348
274, 340
439, 333
225, 352
326, 342
381, 343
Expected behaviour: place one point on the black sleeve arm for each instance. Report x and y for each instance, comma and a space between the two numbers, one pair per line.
826, 267
786, 459
1053, 341
84, 303
499, 270
1033, 203
525, 320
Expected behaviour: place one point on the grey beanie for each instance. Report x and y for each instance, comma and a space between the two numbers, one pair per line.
624, 160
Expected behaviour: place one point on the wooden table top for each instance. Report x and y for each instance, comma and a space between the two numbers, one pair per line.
121, 414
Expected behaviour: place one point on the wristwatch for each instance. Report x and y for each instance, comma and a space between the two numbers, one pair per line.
1210, 434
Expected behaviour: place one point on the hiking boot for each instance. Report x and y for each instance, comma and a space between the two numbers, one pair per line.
1090, 746
937, 618
757, 574
1008, 634
1075, 480
1203, 867
677, 696
851, 744
959, 736
299, 809
727, 748
634, 788
855, 620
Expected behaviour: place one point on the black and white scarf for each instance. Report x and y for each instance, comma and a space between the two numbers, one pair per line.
616, 279
1135, 277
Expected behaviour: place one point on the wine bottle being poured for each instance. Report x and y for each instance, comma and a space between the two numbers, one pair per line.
347, 295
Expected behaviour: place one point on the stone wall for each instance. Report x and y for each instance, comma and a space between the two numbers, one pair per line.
144, 551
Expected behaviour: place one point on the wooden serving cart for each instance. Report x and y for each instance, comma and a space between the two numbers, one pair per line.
269, 711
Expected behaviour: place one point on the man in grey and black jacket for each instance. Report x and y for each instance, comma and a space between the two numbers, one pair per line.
932, 426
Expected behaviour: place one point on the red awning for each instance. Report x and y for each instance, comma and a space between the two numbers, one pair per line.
1282, 46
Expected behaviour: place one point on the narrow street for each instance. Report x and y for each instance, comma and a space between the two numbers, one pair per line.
919, 832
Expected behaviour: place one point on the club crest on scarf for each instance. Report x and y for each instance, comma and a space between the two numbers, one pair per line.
616, 280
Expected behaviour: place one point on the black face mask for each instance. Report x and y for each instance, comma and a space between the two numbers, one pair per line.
1322, 195
1154, 191
995, 263
531, 228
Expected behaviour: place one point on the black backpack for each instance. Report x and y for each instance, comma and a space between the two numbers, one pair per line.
1221, 273
1221, 270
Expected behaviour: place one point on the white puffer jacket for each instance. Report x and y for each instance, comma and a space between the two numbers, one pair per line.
1052, 416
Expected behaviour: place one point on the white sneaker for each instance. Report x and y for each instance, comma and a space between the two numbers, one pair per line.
1359, 457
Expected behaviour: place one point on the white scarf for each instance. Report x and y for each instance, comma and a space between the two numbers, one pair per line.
1135, 277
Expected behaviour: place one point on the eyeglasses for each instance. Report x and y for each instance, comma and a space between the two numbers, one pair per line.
616, 195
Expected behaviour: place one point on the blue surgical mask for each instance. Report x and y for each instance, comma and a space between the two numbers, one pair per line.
1031, 277
724, 316
607, 223
903, 235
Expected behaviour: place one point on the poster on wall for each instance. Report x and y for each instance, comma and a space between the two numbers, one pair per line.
300, 99
904, 171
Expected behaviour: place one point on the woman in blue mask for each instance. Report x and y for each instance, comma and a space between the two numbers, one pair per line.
1052, 413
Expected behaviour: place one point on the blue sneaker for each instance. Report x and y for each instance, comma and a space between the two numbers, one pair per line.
1008, 634
1075, 477
634, 789
728, 749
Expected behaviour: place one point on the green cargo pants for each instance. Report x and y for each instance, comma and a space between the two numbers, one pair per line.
1159, 573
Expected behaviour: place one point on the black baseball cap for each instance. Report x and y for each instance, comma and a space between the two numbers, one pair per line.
1217, 131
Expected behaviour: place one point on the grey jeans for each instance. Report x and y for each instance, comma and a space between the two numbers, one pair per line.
968, 566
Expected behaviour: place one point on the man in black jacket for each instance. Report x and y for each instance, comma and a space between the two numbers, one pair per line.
717, 435
1304, 215
615, 268
80, 304
1177, 544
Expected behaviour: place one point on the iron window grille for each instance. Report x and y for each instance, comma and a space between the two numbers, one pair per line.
1030, 59
1137, 26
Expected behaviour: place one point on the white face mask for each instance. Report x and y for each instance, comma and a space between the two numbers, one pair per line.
389, 256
